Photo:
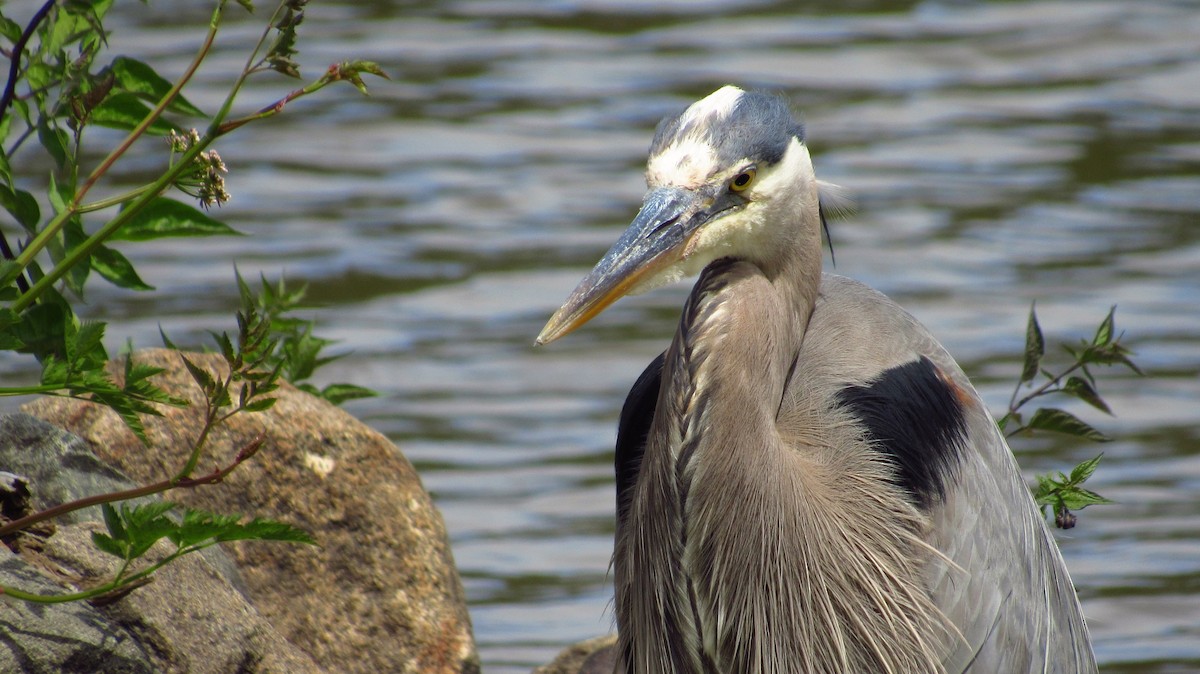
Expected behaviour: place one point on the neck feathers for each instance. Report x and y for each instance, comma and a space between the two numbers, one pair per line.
741, 543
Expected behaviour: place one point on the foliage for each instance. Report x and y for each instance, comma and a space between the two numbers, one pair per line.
1061, 493
58, 88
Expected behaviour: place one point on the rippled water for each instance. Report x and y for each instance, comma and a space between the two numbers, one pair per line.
999, 153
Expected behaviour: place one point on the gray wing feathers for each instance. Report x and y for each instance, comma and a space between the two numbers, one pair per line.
1002, 582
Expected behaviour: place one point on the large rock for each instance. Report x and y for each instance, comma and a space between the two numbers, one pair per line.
381, 593
65, 638
190, 620
594, 656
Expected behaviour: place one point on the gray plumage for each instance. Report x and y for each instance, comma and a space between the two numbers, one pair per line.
807, 482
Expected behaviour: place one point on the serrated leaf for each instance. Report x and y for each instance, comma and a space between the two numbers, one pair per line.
140, 79
199, 374
146, 525
165, 217
166, 340
86, 346
108, 545
1104, 333
1059, 421
267, 530
199, 526
142, 514
1082, 389
1035, 347
1076, 498
112, 521
340, 393
260, 405
23, 206
117, 269
1085, 469
125, 111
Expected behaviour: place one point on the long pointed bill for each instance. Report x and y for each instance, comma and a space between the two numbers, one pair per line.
655, 240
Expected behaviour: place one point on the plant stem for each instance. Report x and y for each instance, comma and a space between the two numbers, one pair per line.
156, 488
83, 250
1044, 388
53, 227
247, 70
14, 65
114, 200
59, 598
157, 111
273, 109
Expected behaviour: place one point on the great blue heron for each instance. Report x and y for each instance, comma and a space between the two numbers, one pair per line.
806, 480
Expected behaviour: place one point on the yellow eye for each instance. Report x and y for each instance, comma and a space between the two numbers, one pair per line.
742, 181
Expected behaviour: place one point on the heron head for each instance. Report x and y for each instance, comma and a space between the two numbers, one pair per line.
729, 176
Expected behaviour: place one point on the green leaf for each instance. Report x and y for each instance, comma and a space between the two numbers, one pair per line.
352, 72
117, 269
125, 111
1082, 389
200, 375
1035, 347
166, 340
56, 142
5, 167
1058, 421
10, 29
73, 237
267, 530
107, 544
23, 206
85, 346
140, 79
199, 527
146, 525
112, 521
340, 393
1085, 469
1104, 333
165, 217
1077, 498
260, 405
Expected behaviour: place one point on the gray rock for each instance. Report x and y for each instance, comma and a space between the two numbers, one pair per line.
56, 466
61, 638
191, 619
594, 656
381, 594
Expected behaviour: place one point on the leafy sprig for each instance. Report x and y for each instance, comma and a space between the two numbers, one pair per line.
1059, 494
57, 89
1062, 493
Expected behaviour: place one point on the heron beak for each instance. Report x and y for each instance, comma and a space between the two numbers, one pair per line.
656, 239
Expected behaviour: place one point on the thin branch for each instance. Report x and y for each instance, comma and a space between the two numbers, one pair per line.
156, 488
14, 65
6, 99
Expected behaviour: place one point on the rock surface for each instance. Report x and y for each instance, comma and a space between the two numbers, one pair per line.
381, 594
192, 619
594, 656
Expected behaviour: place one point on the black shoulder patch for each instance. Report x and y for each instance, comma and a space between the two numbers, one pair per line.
914, 417
634, 426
